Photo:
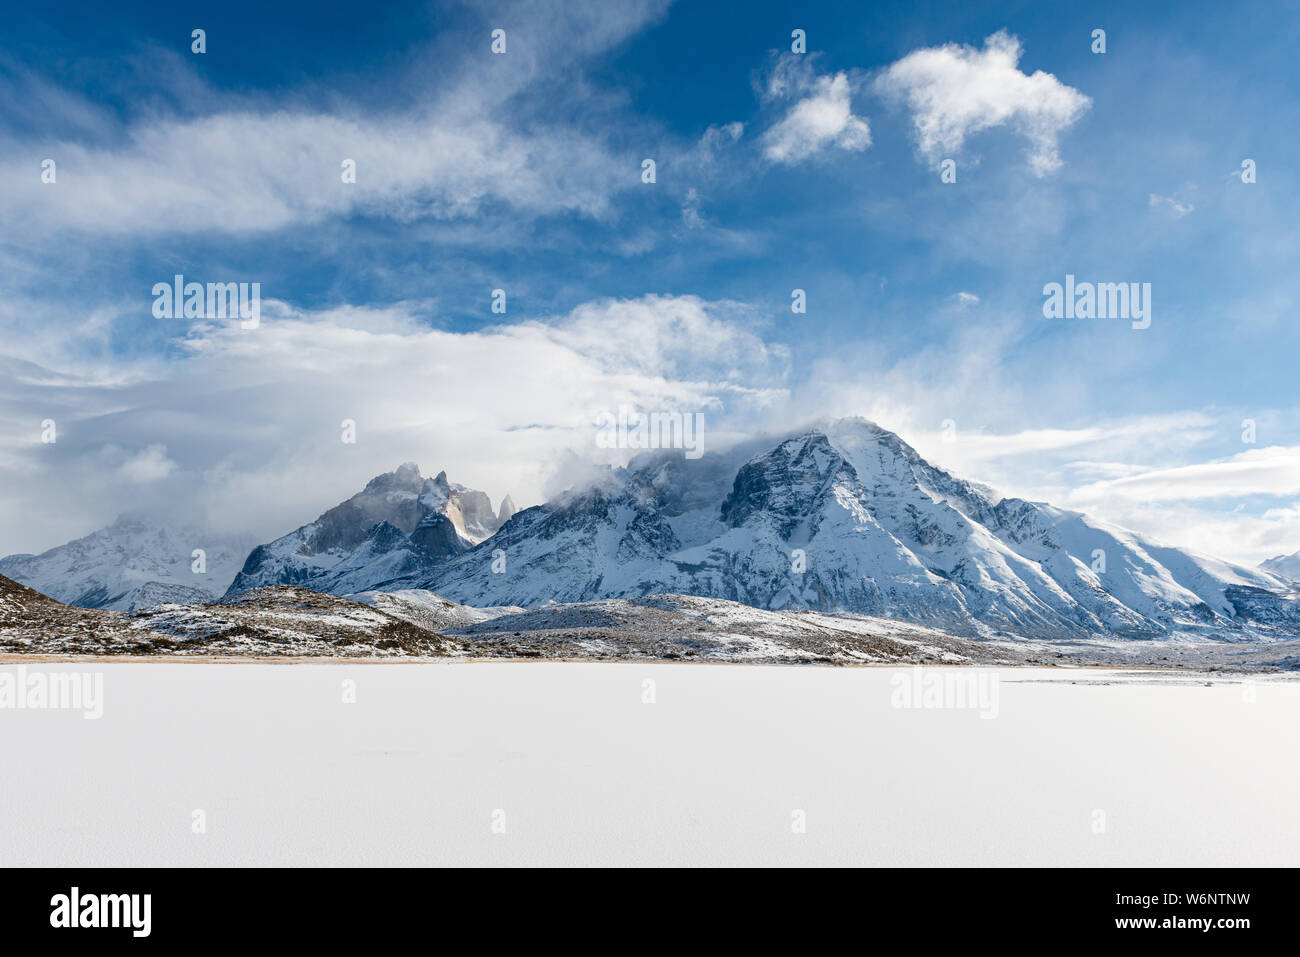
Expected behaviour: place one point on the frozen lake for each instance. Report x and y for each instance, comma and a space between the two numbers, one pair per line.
566, 763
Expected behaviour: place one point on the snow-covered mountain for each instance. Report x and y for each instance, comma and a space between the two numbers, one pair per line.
1288, 566
398, 528
841, 517
848, 517
135, 563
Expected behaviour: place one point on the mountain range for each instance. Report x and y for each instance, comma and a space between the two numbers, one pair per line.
847, 516
841, 517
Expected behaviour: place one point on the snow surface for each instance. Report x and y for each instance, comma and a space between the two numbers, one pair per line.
1187, 769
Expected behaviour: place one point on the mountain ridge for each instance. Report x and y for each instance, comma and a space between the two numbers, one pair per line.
842, 516
881, 531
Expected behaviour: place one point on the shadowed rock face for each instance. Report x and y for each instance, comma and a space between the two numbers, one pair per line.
400, 525
394, 498
437, 535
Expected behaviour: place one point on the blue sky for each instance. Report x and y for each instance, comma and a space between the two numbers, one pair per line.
522, 171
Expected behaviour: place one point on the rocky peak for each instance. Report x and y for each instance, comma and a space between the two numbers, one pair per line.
416, 520
787, 482
405, 478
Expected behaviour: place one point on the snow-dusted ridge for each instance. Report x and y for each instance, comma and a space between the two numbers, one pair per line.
289, 622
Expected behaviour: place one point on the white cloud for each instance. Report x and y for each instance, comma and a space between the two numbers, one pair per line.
472, 135
148, 465
241, 172
954, 91
1268, 471
1230, 533
691, 215
1125, 479
1127, 434
246, 430
1178, 209
715, 139
821, 118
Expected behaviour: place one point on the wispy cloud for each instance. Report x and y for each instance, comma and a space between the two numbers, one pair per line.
226, 163
150, 464
1268, 471
820, 117
242, 172
1171, 205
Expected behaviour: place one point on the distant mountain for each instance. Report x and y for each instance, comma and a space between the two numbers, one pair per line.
1288, 566
398, 528
848, 517
135, 563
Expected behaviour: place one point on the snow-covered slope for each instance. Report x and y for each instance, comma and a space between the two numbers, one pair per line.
1288, 566
848, 517
399, 527
135, 563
